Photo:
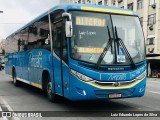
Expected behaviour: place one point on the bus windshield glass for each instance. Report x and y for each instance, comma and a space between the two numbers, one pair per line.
90, 37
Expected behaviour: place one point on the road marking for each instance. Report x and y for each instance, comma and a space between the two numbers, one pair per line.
4, 103
4, 118
154, 92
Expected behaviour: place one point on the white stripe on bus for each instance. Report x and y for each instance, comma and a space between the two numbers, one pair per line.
22, 80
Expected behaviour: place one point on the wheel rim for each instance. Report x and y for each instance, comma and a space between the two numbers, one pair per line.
14, 78
49, 89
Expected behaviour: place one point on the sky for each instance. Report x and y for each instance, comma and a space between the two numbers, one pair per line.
17, 13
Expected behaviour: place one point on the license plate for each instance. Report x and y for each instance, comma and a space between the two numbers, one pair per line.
114, 95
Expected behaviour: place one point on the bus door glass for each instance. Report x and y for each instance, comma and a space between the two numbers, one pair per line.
57, 60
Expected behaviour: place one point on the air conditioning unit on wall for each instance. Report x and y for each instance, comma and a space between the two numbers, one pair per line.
150, 50
154, 6
114, 2
119, 1
151, 27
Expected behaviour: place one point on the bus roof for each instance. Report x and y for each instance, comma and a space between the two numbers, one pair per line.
84, 7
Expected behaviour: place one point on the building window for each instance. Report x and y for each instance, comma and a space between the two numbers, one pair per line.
122, 7
100, 3
151, 19
88, 1
113, 2
79, 1
141, 21
139, 4
83, 1
151, 2
150, 41
105, 2
119, 1
130, 6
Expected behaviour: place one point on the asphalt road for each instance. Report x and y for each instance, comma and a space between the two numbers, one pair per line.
27, 98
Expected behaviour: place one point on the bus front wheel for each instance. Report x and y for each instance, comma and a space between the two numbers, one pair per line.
50, 94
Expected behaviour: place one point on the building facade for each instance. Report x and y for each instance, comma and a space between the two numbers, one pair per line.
149, 14
2, 46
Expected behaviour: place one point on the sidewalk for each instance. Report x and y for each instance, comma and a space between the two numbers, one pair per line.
153, 79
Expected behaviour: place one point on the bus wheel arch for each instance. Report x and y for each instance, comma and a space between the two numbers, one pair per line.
47, 86
14, 77
45, 74
13, 70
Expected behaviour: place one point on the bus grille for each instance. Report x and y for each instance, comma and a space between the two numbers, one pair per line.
110, 84
105, 93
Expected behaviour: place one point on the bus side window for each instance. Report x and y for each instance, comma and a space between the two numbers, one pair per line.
19, 44
60, 44
59, 39
32, 37
57, 44
38, 34
65, 49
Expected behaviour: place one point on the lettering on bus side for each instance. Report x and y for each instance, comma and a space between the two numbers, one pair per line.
36, 62
117, 77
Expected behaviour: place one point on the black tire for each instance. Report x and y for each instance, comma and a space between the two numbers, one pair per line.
50, 93
15, 81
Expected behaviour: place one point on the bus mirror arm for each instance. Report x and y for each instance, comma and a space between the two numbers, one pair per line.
68, 25
67, 15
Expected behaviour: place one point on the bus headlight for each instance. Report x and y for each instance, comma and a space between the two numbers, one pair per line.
81, 76
140, 77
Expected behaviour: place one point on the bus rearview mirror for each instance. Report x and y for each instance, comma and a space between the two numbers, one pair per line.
69, 29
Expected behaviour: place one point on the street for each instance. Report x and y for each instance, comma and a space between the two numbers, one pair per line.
27, 98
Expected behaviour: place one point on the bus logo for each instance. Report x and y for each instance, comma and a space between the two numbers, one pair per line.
117, 77
116, 84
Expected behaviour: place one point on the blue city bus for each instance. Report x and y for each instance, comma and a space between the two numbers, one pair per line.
80, 52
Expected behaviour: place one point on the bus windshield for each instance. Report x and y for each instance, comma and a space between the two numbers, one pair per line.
90, 36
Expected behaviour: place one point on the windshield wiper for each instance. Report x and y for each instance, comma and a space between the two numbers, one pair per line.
105, 49
120, 42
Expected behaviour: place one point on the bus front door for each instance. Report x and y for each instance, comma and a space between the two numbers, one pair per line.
57, 59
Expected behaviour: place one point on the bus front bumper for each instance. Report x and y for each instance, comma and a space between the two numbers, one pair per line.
81, 90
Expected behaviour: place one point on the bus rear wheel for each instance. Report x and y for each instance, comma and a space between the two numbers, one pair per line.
50, 93
15, 81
